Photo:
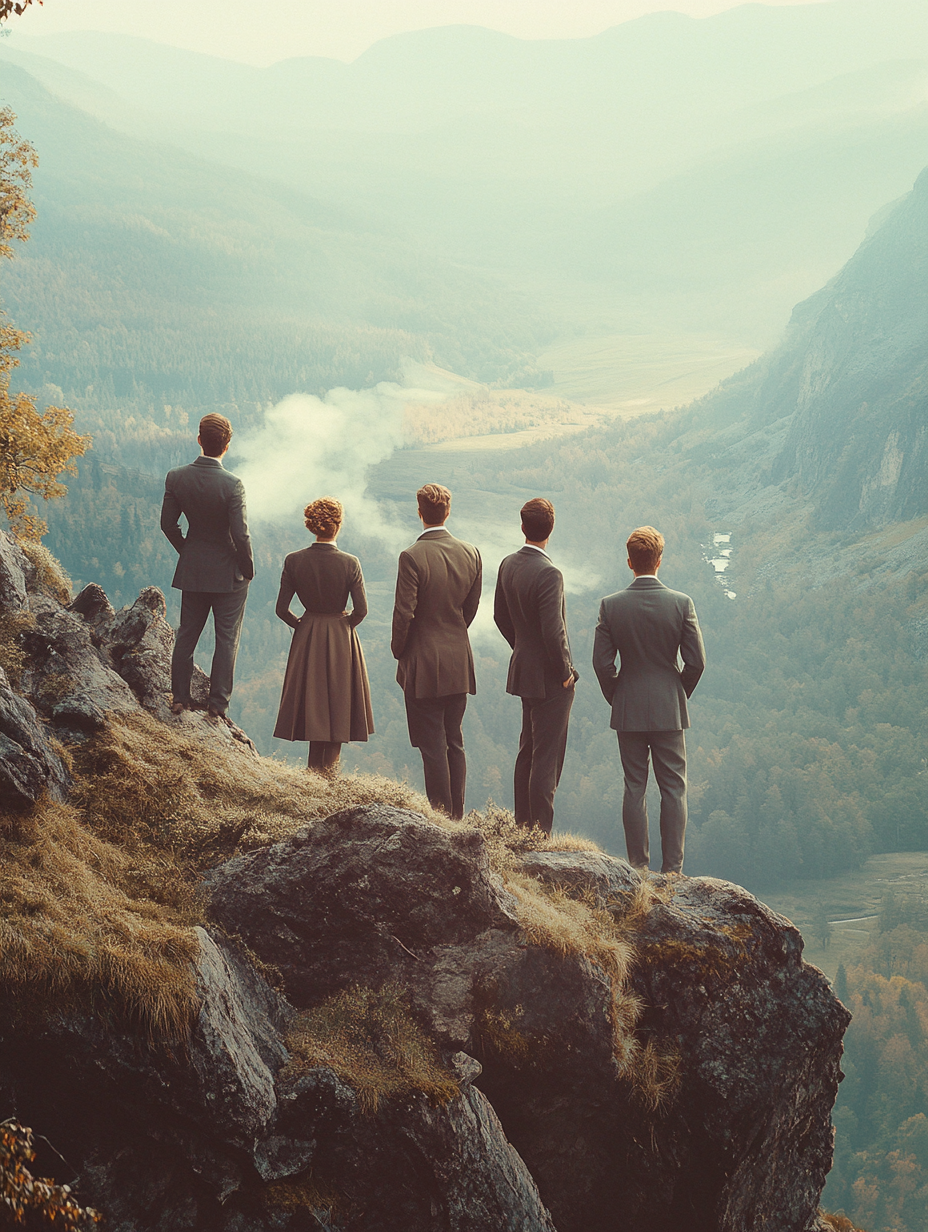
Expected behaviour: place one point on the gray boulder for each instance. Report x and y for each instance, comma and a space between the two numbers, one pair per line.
13, 566
197, 1137
365, 893
377, 894
64, 664
746, 1141
29, 765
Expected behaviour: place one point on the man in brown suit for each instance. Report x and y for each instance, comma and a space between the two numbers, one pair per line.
648, 626
530, 613
437, 592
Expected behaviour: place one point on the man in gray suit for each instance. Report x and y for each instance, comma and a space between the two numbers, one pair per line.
215, 565
648, 626
530, 613
437, 592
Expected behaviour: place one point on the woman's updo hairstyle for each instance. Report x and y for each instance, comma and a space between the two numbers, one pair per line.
324, 516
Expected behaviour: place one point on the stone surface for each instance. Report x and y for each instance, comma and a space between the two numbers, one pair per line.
13, 564
366, 892
610, 879
746, 1141
29, 765
139, 642
191, 1138
377, 894
64, 663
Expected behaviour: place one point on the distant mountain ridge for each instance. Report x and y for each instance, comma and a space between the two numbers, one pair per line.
622, 162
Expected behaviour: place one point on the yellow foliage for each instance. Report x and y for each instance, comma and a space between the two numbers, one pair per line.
17, 161
24, 1197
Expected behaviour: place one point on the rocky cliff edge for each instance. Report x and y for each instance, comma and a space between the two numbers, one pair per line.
235, 996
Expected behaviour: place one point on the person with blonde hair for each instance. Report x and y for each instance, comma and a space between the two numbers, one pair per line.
651, 629
326, 698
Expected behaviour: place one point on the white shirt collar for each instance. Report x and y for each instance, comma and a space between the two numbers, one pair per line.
428, 529
536, 548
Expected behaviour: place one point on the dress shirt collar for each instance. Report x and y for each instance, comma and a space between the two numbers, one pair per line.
434, 530
205, 460
536, 548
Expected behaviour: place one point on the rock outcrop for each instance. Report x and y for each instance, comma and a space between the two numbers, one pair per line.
83, 660
691, 1089
375, 894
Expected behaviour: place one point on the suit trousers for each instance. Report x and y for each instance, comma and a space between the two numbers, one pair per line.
542, 746
228, 608
435, 730
667, 750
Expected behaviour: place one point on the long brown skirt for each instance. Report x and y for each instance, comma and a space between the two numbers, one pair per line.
326, 695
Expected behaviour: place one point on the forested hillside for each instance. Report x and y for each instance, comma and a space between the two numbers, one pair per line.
157, 284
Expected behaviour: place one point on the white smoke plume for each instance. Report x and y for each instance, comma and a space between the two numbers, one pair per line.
309, 447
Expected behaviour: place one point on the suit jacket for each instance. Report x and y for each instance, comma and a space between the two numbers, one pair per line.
530, 613
437, 592
647, 625
215, 553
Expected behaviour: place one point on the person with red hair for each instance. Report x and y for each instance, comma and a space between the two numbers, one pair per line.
650, 627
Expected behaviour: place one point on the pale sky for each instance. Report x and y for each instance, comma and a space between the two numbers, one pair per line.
264, 31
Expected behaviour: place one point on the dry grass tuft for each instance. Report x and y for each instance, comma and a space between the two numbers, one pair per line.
154, 787
552, 917
371, 1041
50, 578
566, 840
499, 1034
656, 1075
305, 1192
840, 1223
72, 936
506, 841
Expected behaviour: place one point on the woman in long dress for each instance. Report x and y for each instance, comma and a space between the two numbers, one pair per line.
326, 697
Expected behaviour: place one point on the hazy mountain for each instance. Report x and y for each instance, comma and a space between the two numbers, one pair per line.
154, 273
848, 386
626, 159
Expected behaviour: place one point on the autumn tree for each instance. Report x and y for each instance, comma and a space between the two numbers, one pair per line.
29, 1201
9, 7
35, 448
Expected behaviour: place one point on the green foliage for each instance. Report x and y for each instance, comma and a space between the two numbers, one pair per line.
880, 1176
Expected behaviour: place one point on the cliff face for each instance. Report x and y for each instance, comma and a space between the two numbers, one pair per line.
850, 381
399, 1024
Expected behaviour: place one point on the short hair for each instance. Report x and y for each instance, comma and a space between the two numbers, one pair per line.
645, 548
434, 502
324, 516
538, 518
215, 434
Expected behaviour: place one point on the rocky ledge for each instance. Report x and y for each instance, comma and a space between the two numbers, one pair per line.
390, 1036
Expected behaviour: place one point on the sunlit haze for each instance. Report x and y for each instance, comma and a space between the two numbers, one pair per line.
280, 29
